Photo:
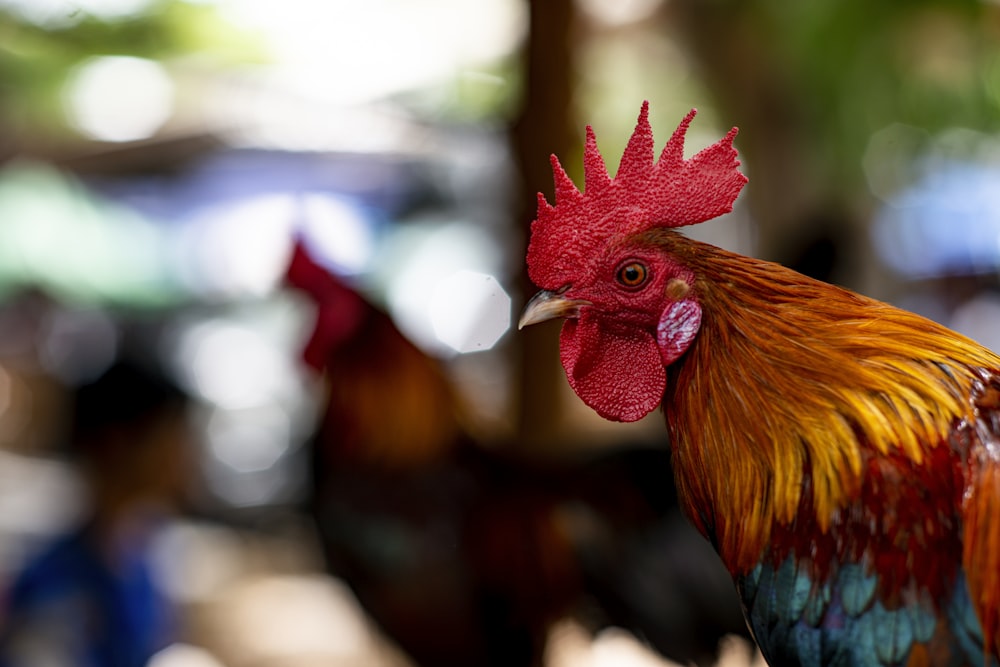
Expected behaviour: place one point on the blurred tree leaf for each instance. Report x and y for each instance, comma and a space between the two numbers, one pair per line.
35, 60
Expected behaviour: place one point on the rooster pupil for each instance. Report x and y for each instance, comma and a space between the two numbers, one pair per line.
632, 274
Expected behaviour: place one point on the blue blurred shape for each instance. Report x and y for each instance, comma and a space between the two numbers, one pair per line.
947, 223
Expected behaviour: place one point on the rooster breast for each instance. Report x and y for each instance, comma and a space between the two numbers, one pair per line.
907, 575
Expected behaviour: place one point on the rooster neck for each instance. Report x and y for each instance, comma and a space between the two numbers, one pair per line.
790, 390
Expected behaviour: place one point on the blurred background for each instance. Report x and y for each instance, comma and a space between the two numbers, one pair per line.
422, 488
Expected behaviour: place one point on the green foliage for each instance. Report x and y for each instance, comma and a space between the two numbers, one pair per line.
857, 66
35, 60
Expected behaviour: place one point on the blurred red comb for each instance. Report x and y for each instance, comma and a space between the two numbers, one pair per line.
340, 310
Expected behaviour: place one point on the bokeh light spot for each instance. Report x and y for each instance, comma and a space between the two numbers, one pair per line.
231, 365
119, 98
249, 440
183, 655
470, 311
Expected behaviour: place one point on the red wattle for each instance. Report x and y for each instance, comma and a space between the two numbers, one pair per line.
617, 372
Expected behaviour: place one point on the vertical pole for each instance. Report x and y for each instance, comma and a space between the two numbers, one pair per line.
545, 126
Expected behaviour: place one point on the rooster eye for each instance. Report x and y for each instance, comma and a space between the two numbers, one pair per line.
633, 274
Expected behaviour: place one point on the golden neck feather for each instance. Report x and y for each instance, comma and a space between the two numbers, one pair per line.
789, 377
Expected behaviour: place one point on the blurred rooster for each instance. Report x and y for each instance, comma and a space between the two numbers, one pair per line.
465, 555
843, 456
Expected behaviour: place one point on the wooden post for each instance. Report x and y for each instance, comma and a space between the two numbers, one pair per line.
545, 126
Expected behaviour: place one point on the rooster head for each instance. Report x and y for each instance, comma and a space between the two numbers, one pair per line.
630, 307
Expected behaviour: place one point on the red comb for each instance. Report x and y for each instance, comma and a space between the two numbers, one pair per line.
644, 194
340, 310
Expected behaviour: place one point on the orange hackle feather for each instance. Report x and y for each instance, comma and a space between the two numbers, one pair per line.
837, 410
870, 376
388, 404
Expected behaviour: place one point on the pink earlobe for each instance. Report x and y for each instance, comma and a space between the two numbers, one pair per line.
678, 326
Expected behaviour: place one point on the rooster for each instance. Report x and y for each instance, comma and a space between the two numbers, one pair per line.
841, 455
